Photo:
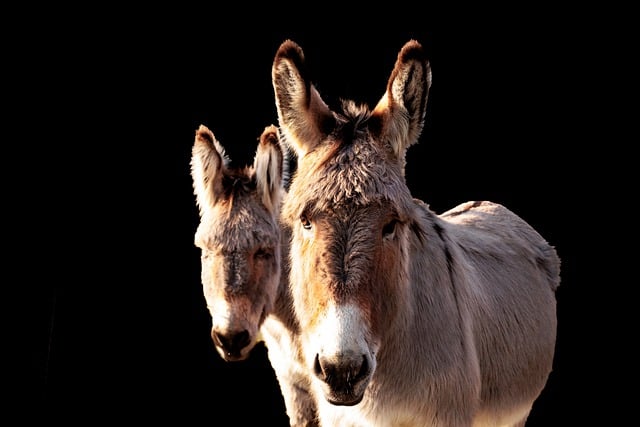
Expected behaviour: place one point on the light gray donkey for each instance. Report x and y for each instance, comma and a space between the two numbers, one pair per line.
408, 318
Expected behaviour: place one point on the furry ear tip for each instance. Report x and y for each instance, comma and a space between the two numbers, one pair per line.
270, 135
289, 49
204, 132
270, 129
412, 50
288, 44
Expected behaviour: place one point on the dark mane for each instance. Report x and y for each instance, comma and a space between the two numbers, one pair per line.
238, 182
353, 120
349, 123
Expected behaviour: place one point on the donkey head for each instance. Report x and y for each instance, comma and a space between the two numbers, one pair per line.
351, 214
239, 237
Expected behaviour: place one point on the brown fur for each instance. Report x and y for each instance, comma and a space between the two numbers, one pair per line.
408, 318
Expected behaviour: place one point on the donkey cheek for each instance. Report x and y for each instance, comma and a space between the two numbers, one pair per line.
208, 285
262, 288
380, 302
315, 297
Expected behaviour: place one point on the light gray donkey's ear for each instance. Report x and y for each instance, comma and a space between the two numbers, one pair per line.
269, 169
208, 161
303, 116
403, 106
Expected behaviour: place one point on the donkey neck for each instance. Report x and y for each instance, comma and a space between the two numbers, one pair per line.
431, 286
283, 305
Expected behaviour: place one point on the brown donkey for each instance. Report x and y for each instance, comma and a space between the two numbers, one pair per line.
243, 275
408, 318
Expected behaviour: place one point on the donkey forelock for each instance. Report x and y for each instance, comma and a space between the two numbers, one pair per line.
374, 174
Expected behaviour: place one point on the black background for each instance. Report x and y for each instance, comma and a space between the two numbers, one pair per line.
107, 105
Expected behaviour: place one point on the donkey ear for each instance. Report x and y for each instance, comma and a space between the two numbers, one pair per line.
402, 108
303, 116
208, 160
269, 169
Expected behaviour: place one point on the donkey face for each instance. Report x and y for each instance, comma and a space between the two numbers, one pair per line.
239, 238
350, 212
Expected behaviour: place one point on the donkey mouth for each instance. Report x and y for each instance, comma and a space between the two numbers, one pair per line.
232, 357
342, 399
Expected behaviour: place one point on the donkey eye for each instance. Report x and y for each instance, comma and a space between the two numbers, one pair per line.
263, 253
389, 228
306, 223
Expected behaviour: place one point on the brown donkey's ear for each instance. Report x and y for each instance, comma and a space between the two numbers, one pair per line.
269, 169
403, 106
303, 116
208, 160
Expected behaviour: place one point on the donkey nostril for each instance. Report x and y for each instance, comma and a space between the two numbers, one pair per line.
317, 368
364, 369
232, 343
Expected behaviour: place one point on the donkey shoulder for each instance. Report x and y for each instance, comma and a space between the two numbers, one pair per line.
489, 219
484, 226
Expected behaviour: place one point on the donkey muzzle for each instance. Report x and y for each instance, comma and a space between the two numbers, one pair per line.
344, 379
